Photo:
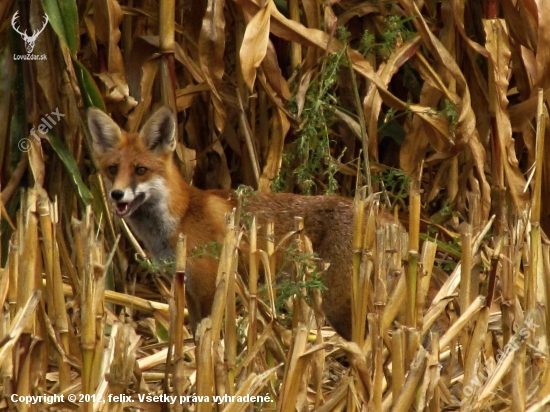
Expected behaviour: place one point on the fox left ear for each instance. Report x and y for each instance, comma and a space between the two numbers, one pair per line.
105, 132
159, 133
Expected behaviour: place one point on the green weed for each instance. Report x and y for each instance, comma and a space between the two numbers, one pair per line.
157, 265
247, 193
311, 151
396, 31
396, 184
210, 249
287, 287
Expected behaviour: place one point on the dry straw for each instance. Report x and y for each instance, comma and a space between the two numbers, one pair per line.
452, 315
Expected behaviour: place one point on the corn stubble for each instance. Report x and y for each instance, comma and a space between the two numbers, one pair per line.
247, 351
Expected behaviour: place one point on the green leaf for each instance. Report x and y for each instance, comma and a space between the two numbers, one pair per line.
63, 16
392, 128
90, 93
162, 332
84, 194
19, 129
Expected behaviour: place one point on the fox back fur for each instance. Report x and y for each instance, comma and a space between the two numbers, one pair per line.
152, 197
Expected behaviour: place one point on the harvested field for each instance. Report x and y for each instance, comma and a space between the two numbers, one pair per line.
434, 112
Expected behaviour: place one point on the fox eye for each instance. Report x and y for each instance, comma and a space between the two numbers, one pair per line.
140, 170
112, 169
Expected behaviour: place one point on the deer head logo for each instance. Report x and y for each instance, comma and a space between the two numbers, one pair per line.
29, 40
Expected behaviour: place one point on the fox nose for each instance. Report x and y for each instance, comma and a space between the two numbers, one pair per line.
117, 194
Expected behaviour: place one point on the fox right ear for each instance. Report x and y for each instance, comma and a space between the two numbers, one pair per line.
159, 132
105, 132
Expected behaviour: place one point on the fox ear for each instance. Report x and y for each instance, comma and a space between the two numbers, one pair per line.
159, 133
105, 132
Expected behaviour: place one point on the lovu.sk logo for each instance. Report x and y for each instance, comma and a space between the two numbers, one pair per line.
29, 40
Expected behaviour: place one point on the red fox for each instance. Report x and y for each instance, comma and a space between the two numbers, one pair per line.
152, 197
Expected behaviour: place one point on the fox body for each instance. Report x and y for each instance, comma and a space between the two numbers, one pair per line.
152, 197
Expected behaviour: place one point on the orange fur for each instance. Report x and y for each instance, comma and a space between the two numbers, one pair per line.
158, 204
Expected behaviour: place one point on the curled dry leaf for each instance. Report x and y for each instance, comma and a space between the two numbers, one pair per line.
255, 43
274, 159
117, 91
499, 53
107, 20
211, 50
373, 102
543, 51
273, 73
185, 96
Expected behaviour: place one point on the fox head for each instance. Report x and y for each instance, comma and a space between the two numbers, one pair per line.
136, 164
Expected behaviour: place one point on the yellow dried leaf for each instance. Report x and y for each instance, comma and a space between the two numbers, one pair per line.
211, 50
254, 45
499, 55
107, 20
117, 91
275, 155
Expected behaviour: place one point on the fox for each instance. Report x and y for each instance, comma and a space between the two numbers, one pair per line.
151, 195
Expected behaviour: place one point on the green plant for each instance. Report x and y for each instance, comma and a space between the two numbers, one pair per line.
396, 31
287, 287
312, 148
446, 265
210, 249
247, 193
157, 266
451, 248
395, 182
449, 112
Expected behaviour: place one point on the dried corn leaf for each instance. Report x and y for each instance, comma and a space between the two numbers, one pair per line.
211, 50
117, 91
255, 42
499, 52
107, 19
274, 159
